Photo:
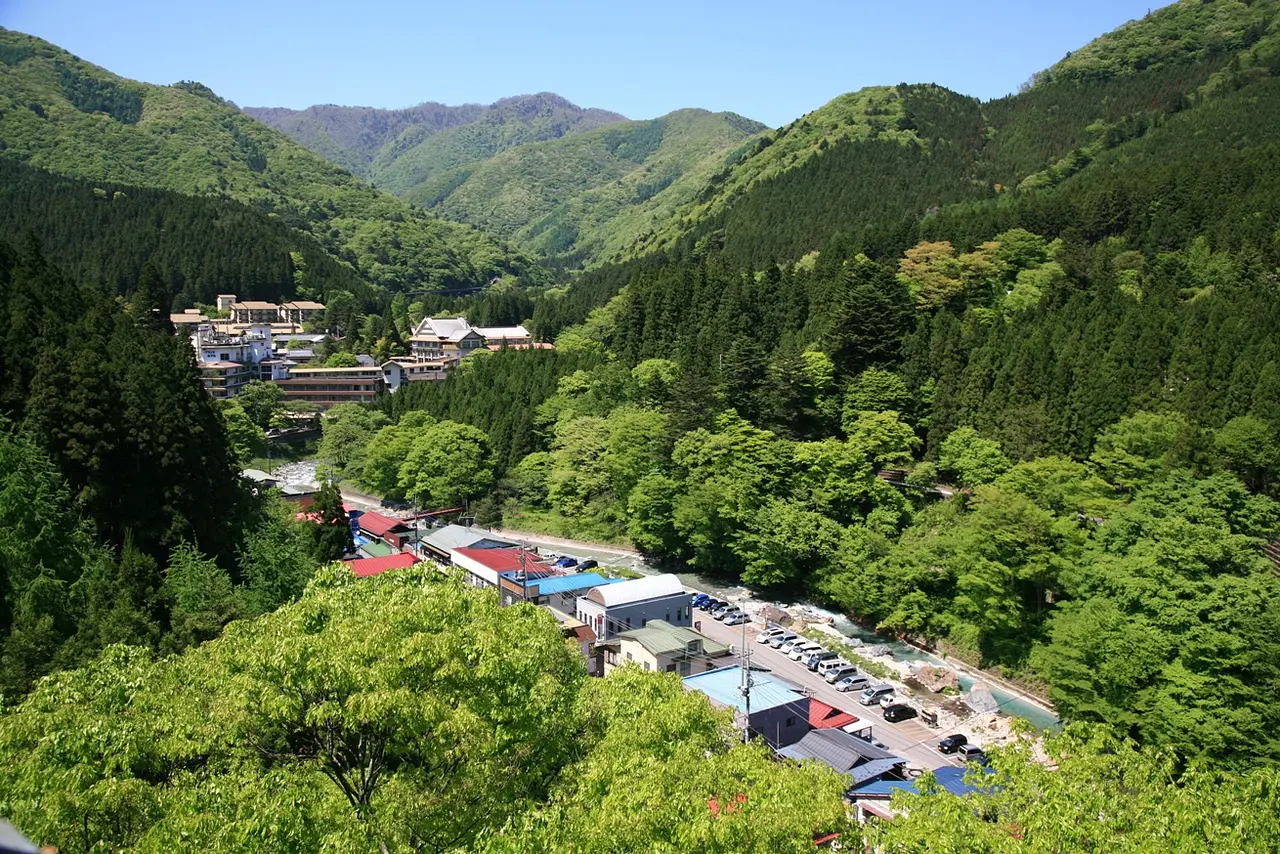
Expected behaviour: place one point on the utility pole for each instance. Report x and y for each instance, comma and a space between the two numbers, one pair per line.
746, 684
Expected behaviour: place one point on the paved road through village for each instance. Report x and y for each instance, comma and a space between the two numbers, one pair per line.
910, 739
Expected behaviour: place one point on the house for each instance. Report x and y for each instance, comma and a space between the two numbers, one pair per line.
856, 758
301, 311
225, 301
436, 337
483, 566
503, 335
871, 798
664, 648
188, 320
260, 478
400, 371
544, 587
365, 567
579, 632
375, 526
254, 311
615, 608
439, 544
330, 386
779, 711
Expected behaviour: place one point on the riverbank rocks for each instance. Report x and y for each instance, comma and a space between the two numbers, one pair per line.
979, 699
776, 615
937, 679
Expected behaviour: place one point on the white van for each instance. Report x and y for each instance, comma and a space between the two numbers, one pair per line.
875, 694
832, 664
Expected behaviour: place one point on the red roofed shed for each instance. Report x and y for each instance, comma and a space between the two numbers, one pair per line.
390, 531
364, 567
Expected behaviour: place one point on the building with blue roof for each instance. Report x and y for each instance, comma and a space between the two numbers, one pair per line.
541, 587
779, 710
949, 779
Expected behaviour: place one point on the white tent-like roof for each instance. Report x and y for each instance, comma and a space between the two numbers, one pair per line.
636, 590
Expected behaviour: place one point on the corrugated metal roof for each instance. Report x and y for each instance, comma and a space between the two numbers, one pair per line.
365, 567
569, 583
723, 686
637, 590
662, 638
452, 537
377, 524
950, 779
838, 749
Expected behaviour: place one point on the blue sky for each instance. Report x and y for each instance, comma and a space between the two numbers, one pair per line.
771, 61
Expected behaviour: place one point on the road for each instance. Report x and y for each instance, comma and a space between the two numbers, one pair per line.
910, 739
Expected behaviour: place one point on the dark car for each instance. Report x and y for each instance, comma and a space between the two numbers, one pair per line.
899, 712
589, 563
973, 753
952, 743
698, 599
711, 604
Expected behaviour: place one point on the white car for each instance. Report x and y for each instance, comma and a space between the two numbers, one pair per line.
887, 700
769, 634
801, 650
790, 643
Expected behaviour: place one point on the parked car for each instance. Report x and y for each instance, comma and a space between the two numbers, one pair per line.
769, 634
711, 603
737, 618
589, 563
567, 562
837, 663
802, 650
785, 637
718, 611
887, 700
899, 712
817, 657
835, 674
873, 694
724, 613
787, 645
973, 753
952, 743
853, 682
698, 598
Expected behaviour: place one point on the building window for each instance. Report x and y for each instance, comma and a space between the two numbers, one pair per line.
628, 622
791, 721
671, 668
646, 665
629, 658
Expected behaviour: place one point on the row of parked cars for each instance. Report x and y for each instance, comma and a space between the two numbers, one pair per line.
841, 674
727, 612
571, 562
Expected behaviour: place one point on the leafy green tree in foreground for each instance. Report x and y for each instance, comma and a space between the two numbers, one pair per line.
402, 713
1104, 795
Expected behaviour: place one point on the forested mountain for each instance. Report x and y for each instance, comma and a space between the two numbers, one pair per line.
67, 116
400, 149
586, 195
198, 246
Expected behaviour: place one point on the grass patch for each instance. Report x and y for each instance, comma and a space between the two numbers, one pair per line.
553, 524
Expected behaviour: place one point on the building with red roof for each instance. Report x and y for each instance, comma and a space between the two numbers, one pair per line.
823, 716
393, 532
364, 567
483, 566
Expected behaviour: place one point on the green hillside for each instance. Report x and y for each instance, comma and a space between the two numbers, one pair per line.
586, 195
67, 116
912, 150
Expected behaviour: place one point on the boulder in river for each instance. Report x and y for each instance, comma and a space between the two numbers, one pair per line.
775, 615
937, 679
980, 699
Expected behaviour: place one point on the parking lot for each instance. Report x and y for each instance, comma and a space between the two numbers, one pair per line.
911, 739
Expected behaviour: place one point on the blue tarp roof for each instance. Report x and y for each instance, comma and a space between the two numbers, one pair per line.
563, 583
951, 779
